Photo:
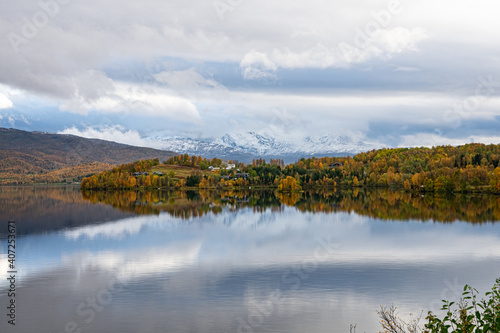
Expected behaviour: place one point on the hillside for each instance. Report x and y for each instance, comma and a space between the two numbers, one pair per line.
33, 157
444, 169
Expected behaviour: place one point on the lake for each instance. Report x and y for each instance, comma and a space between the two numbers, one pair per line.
248, 261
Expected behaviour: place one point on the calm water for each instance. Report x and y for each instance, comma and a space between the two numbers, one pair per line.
239, 262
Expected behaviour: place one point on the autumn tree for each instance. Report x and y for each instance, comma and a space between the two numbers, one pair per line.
289, 184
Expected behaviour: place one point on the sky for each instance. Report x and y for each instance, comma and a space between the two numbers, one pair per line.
394, 73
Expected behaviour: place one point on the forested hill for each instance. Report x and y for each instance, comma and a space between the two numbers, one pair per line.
469, 168
27, 157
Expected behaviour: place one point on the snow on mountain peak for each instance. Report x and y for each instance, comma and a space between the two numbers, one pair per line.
247, 145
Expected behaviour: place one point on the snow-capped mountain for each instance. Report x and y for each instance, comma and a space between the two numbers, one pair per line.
245, 146
184, 145
267, 144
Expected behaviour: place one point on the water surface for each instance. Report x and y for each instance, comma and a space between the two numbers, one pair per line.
240, 261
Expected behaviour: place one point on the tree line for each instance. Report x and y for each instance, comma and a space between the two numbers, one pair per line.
122, 177
467, 168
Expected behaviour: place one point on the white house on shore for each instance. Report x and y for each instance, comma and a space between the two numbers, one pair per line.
229, 167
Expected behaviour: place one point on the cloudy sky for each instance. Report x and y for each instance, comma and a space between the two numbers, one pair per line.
397, 73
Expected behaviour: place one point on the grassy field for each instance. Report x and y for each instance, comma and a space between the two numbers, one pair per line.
180, 171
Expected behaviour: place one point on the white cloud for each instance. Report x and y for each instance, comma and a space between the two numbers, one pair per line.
398, 40
154, 101
382, 43
185, 80
5, 103
94, 91
13, 118
93, 84
191, 84
257, 66
406, 69
110, 133
437, 139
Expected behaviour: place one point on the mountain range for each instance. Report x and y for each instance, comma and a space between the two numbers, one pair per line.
30, 157
246, 146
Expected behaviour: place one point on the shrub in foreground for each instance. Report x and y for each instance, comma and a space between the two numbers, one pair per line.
467, 315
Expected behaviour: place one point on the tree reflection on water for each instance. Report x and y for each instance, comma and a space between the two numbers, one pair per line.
381, 204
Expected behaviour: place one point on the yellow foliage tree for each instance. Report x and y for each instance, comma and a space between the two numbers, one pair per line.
132, 182
289, 184
204, 183
154, 182
147, 181
495, 180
